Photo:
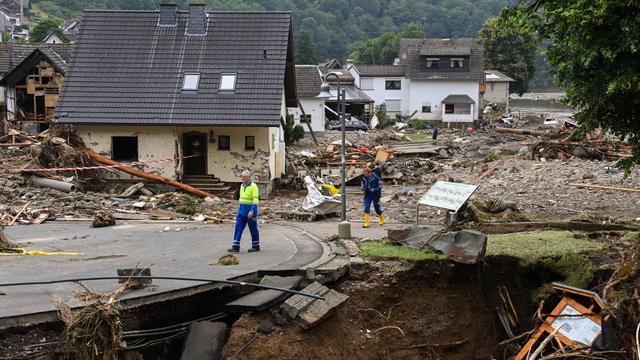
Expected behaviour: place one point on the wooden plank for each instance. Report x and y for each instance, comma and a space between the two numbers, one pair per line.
603, 187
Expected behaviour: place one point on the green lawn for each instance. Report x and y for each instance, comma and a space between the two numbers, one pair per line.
534, 246
380, 250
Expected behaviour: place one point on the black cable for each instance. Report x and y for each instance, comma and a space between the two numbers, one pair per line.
230, 282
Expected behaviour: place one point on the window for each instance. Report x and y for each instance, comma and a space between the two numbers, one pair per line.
228, 82
456, 63
305, 118
224, 142
124, 148
426, 107
448, 108
249, 142
392, 84
366, 83
433, 63
392, 105
191, 81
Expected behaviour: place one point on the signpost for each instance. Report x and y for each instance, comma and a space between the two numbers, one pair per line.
446, 195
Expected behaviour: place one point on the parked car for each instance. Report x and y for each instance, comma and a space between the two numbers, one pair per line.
351, 125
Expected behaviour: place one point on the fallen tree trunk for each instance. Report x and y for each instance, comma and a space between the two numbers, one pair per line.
521, 131
141, 174
602, 187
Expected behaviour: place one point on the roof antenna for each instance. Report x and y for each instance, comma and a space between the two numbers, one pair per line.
264, 53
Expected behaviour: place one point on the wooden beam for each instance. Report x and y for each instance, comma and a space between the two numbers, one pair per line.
602, 187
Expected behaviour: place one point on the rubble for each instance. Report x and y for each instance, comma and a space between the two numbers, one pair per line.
103, 219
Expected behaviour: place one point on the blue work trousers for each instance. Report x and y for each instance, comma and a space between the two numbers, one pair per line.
241, 222
375, 198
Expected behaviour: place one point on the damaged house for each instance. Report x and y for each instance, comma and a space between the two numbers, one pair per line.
210, 86
32, 77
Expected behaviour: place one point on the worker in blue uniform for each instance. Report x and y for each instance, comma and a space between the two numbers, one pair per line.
247, 214
372, 189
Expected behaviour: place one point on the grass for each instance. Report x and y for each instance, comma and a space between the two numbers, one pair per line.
631, 235
380, 250
534, 246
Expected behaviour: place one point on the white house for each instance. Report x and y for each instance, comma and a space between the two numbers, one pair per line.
438, 79
497, 88
310, 109
52, 38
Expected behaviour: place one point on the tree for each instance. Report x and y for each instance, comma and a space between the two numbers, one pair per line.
304, 52
40, 31
292, 132
386, 47
594, 52
510, 47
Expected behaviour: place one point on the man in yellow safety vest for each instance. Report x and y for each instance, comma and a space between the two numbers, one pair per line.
247, 213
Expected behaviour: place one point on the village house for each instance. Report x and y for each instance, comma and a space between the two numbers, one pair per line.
212, 86
52, 38
310, 109
20, 10
440, 80
32, 77
497, 88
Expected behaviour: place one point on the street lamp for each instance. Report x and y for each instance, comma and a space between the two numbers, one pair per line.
344, 228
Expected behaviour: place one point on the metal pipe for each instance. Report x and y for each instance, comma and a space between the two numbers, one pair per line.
230, 282
54, 184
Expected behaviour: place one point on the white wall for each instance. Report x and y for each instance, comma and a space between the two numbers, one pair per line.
497, 92
380, 95
313, 107
434, 91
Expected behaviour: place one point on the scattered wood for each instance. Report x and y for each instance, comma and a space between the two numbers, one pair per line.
40, 219
492, 169
132, 189
141, 174
603, 187
521, 131
15, 218
161, 214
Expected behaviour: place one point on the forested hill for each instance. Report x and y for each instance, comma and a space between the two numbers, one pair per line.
336, 26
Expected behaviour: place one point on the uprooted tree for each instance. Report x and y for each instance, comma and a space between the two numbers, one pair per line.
594, 52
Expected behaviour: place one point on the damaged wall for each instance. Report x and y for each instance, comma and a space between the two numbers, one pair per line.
159, 142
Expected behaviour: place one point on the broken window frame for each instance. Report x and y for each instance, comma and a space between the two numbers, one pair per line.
228, 87
117, 152
186, 82
224, 142
388, 84
305, 118
250, 143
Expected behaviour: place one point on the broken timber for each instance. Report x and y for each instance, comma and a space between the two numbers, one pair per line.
141, 174
602, 187
521, 131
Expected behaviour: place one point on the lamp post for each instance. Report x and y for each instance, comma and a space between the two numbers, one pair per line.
344, 228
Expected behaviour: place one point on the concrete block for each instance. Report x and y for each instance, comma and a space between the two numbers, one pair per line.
320, 309
358, 268
262, 299
398, 235
297, 303
465, 246
351, 247
205, 341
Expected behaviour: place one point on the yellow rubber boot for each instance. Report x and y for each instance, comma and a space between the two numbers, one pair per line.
366, 221
381, 219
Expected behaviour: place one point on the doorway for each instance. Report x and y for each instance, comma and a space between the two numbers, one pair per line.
195, 144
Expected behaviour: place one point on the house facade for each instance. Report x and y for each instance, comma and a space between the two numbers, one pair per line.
205, 93
310, 108
32, 78
440, 80
497, 88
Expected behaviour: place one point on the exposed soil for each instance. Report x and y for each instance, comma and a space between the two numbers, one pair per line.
445, 310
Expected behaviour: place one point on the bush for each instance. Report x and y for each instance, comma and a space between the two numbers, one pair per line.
292, 132
186, 204
417, 124
383, 119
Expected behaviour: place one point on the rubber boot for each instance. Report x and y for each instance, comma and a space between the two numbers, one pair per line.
381, 219
366, 221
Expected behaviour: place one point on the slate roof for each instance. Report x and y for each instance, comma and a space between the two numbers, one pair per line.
11, 55
308, 81
381, 70
352, 93
129, 70
458, 99
412, 49
496, 76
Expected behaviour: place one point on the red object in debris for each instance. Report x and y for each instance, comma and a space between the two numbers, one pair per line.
364, 150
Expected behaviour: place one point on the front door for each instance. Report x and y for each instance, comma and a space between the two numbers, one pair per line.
195, 144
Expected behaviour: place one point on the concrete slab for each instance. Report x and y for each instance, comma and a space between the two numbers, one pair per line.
320, 309
169, 249
262, 299
205, 341
298, 303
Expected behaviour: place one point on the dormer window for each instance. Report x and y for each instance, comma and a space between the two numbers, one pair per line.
191, 81
432, 63
456, 63
228, 82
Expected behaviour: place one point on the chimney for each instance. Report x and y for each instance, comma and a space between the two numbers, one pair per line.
197, 24
168, 15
